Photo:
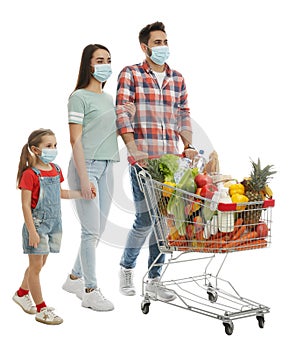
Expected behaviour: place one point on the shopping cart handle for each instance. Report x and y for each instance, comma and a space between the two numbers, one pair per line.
131, 160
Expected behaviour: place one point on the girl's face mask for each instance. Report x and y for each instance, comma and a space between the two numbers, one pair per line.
102, 72
48, 155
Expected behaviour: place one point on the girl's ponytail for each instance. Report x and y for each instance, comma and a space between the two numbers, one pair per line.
26, 161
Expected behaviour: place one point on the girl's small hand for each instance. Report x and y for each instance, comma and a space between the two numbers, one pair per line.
34, 240
130, 108
93, 190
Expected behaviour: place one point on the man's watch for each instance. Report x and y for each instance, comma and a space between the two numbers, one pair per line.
189, 146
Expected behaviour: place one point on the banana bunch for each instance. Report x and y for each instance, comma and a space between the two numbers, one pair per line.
266, 193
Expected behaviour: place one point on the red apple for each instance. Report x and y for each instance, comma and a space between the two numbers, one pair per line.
208, 190
202, 179
262, 229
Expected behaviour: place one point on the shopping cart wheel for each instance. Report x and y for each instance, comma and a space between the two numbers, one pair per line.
145, 308
212, 296
229, 327
261, 320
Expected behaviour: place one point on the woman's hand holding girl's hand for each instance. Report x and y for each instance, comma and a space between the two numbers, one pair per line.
86, 190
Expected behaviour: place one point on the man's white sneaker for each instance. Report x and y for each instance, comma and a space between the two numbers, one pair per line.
74, 286
47, 316
25, 302
96, 301
126, 285
156, 290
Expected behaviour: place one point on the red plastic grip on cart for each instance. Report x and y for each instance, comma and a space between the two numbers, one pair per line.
233, 206
269, 203
227, 206
131, 160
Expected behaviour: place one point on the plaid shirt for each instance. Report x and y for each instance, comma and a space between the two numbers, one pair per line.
161, 113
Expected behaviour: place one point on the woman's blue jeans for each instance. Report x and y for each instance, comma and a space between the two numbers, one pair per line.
92, 215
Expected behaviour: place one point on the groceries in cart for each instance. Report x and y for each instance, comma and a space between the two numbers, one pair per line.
210, 212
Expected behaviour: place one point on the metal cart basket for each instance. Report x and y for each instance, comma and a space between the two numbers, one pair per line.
186, 223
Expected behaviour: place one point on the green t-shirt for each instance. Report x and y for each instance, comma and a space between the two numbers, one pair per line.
96, 113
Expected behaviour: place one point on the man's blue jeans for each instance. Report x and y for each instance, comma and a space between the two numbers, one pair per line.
142, 227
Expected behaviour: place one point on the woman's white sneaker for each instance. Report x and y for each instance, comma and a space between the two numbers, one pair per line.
75, 286
25, 303
96, 301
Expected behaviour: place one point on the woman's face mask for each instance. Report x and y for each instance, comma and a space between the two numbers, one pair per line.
159, 54
102, 72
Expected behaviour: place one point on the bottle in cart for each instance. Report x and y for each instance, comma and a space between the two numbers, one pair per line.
184, 164
225, 218
200, 161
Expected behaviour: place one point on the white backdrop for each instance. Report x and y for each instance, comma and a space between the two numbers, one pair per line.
234, 57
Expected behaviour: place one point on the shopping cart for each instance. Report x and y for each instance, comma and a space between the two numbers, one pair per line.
186, 223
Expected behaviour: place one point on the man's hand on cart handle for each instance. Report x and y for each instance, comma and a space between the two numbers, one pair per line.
190, 153
138, 157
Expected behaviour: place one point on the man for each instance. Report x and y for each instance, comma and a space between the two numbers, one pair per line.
161, 119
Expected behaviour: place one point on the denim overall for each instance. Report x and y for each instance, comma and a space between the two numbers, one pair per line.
46, 216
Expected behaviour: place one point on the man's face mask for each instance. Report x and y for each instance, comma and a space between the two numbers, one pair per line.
159, 54
102, 72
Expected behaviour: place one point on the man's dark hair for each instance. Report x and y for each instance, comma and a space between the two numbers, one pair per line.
144, 34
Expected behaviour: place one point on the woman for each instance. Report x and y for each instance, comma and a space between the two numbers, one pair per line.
93, 137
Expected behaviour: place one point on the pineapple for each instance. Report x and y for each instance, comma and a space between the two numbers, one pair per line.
254, 185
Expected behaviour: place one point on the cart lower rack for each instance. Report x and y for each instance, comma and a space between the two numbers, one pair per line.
186, 223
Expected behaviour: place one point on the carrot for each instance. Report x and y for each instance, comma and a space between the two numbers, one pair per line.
237, 225
215, 243
239, 233
246, 238
260, 243
249, 236
255, 244
219, 235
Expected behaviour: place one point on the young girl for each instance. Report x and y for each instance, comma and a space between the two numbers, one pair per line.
39, 180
